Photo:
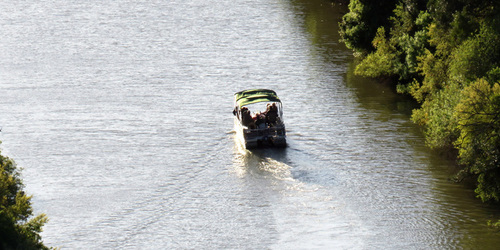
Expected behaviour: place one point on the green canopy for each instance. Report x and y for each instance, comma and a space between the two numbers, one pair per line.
247, 97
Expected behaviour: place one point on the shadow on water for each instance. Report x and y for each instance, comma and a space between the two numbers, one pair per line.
379, 97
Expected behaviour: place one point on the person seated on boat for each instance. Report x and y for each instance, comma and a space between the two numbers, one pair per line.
246, 118
260, 120
271, 114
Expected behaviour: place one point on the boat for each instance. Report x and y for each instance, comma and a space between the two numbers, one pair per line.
262, 127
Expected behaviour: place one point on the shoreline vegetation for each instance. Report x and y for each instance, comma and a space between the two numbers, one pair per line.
18, 228
445, 54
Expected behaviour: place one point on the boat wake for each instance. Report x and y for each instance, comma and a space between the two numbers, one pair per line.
305, 209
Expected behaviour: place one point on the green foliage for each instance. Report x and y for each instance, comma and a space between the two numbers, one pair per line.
360, 24
494, 224
353, 29
493, 75
17, 231
382, 62
476, 56
444, 12
478, 116
397, 56
446, 55
437, 117
432, 65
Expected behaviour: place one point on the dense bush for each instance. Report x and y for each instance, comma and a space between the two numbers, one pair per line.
17, 230
437, 115
478, 116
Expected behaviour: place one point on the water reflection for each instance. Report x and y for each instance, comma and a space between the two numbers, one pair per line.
377, 96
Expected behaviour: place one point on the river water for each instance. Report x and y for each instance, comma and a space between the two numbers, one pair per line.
120, 114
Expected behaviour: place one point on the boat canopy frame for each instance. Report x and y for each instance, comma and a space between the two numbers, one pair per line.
251, 96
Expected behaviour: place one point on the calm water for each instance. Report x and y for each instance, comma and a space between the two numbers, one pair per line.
120, 114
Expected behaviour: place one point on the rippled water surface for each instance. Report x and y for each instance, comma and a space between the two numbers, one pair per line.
120, 114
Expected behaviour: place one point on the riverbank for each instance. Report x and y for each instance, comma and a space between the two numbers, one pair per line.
446, 56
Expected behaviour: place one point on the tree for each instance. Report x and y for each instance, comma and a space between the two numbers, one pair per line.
476, 56
381, 63
17, 230
359, 26
397, 50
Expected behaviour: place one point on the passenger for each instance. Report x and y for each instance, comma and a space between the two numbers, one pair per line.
246, 118
260, 121
271, 114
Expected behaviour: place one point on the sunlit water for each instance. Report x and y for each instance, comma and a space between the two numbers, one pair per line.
120, 114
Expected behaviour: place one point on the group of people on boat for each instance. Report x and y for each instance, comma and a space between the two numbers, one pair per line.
264, 119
